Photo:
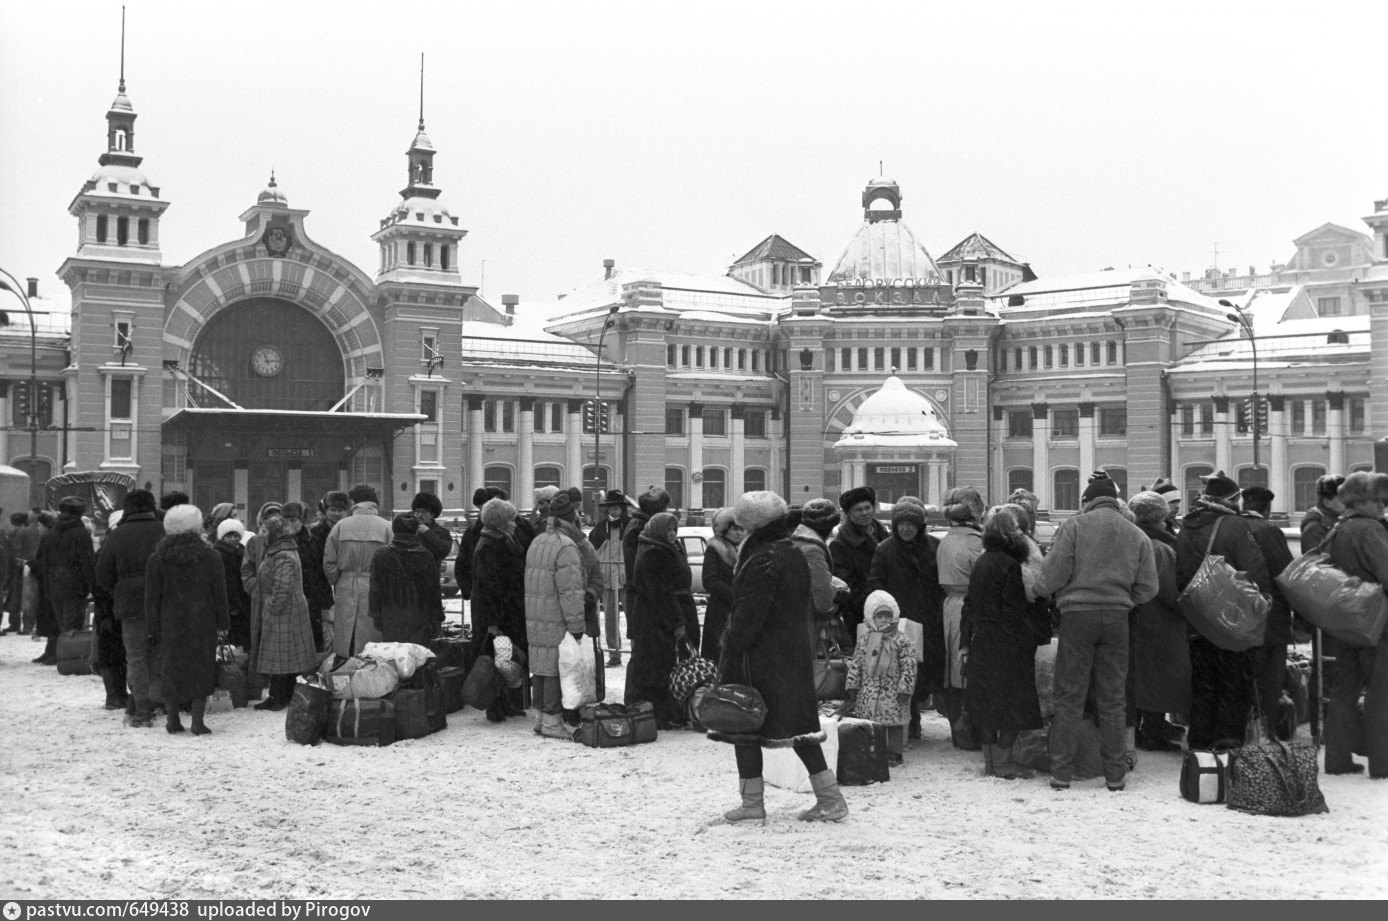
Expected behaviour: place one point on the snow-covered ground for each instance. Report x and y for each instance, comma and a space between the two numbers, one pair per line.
90, 809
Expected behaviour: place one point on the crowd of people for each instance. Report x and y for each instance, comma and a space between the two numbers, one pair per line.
174, 589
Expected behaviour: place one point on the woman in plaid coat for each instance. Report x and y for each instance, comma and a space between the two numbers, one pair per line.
286, 647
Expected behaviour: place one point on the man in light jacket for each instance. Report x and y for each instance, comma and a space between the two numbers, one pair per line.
1100, 567
347, 555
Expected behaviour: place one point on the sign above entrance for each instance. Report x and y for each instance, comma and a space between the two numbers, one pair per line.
289, 452
899, 468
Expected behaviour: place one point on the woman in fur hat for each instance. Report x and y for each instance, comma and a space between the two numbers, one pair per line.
498, 595
769, 645
720, 562
959, 550
186, 612
662, 606
809, 534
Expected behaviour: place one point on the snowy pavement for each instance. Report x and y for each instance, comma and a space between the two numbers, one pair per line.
91, 809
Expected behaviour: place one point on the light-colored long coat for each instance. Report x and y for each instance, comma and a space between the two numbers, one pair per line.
554, 585
347, 555
958, 551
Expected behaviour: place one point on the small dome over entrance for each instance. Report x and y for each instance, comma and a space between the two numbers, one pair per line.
896, 416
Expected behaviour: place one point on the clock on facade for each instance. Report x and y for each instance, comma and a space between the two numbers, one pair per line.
267, 361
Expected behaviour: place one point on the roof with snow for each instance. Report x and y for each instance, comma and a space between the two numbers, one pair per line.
774, 247
884, 249
1092, 291
895, 416
1289, 343
700, 297
976, 246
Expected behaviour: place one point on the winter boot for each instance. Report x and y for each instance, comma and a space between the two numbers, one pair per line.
1004, 765
753, 808
50, 652
199, 728
172, 724
829, 805
552, 727
115, 688
989, 754
141, 718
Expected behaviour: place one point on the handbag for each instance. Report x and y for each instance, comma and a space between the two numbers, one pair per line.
1204, 776
1223, 604
830, 672
691, 672
230, 677
1273, 777
730, 708
1347, 607
306, 719
483, 683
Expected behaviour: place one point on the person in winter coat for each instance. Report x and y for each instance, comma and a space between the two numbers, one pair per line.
882, 673
316, 588
606, 538
333, 507
1359, 546
564, 509
1168, 491
906, 567
651, 502
769, 644
426, 508
467, 544
959, 549
64, 566
1159, 656
1100, 567
254, 547
228, 547
1317, 522
554, 589
810, 535
14, 583
661, 607
222, 511
1221, 681
285, 649
120, 572
541, 497
1270, 658
720, 562
999, 630
852, 550
498, 593
404, 599
347, 557
186, 612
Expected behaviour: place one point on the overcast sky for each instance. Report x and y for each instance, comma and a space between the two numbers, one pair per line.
676, 136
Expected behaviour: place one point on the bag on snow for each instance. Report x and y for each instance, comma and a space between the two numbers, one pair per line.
692, 671
862, 753
1345, 606
306, 719
362, 677
616, 725
577, 674
730, 708
406, 657
1204, 776
75, 653
830, 673
230, 677
451, 688
361, 722
1223, 604
418, 712
451, 650
483, 683
1273, 777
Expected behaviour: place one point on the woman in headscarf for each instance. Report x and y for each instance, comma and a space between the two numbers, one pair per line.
959, 550
882, 673
317, 589
253, 552
720, 561
285, 648
1159, 657
662, 605
498, 591
404, 599
185, 613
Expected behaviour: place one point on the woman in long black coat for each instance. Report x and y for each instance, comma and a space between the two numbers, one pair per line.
1159, 658
769, 644
65, 567
404, 600
185, 611
662, 606
498, 592
1000, 629
720, 562
230, 532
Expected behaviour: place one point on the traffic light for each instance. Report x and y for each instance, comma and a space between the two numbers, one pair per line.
1261, 420
597, 417
604, 417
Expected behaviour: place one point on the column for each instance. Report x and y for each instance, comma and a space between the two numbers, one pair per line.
1088, 431
573, 444
737, 459
342, 468
4, 422
776, 476
1224, 436
60, 448
241, 490
1335, 430
1277, 464
695, 499
525, 454
476, 478
294, 482
859, 473
845, 475
1041, 454
936, 482
1175, 442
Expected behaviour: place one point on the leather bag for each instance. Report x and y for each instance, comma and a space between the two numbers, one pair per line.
230, 677
1223, 604
691, 672
830, 672
729, 708
616, 725
1347, 607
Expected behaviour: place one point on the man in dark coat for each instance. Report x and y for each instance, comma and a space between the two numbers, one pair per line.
498, 593
1159, 651
1270, 663
435, 537
334, 506
651, 502
1317, 522
853, 549
905, 567
317, 590
64, 567
660, 607
19, 550
769, 644
1221, 681
120, 572
404, 600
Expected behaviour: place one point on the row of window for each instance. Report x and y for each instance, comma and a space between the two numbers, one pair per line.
715, 358
1046, 357
714, 479
863, 358
715, 421
103, 230
1065, 423
417, 254
1198, 418
1066, 488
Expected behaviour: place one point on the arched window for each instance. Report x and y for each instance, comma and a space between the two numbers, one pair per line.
499, 475
1020, 478
753, 479
1066, 496
715, 487
674, 485
1119, 475
547, 475
1304, 487
1193, 484
120, 139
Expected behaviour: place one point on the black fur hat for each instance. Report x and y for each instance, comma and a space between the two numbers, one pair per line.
858, 494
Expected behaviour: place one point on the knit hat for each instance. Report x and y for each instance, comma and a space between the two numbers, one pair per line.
139, 501
1149, 508
498, 514
183, 519
1100, 486
858, 494
333, 498
404, 524
820, 516
428, 502
75, 506
230, 526
269, 510
654, 500
963, 503
363, 492
1166, 489
908, 509
1219, 486
755, 510
563, 508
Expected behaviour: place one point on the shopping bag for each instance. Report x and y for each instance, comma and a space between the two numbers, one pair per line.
691, 671
577, 673
1345, 606
1223, 604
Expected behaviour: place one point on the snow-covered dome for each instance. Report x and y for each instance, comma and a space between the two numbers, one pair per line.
896, 416
423, 211
122, 103
421, 141
127, 181
271, 194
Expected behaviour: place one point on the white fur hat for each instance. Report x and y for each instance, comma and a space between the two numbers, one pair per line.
182, 519
228, 525
755, 510
880, 599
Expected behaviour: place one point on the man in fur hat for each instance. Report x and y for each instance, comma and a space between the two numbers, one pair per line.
347, 555
426, 508
852, 550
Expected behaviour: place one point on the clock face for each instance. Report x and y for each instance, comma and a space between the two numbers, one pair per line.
267, 361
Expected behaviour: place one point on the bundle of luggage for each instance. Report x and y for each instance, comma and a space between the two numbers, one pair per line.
391, 691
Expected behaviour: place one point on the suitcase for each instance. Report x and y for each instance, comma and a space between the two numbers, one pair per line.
451, 651
862, 753
1203, 776
616, 725
75, 653
782, 767
451, 688
361, 722
418, 712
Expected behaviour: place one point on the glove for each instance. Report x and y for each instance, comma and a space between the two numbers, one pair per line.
903, 700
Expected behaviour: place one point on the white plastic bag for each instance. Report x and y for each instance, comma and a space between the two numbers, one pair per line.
578, 675
406, 656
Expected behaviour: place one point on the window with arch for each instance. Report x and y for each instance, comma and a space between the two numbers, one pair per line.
498, 475
1251, 476
674, 485
1119, 475
1304, 487
547, 475
1193, 483
1066, 495
715, 487
1020, 478
121, 139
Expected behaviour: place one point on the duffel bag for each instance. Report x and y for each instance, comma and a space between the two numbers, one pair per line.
418, 712
729, 708
361, 722
1345, 606
616, 725
1223, 604
691, 671
363, 677
1275, 778
1204, 776
230, 677
306, 718
75, 653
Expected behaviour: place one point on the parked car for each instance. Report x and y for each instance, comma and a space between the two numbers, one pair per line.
447, 584
695, 538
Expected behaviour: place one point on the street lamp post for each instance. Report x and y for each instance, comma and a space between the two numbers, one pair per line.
1241, 318
607, 324
9, 283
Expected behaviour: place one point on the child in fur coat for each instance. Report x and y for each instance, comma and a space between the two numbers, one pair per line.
882, 673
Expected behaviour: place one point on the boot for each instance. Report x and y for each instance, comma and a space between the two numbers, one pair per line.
115, 688
829, 805
50, 652
172, 724
989, 756
614, 659
552, 727
141, 718
1004, 765
753, 808
199, 728
1153, 737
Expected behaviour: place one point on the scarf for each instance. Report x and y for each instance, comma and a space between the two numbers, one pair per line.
879, 646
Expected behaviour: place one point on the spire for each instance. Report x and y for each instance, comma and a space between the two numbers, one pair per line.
120, 118
421, 91
421, 153
121, 88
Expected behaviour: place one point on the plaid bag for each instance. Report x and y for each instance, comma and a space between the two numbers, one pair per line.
691, 672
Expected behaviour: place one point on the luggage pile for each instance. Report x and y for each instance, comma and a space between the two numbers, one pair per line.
391, 691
